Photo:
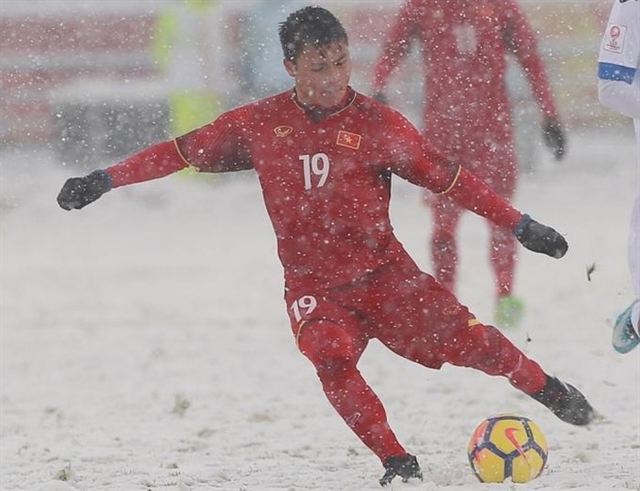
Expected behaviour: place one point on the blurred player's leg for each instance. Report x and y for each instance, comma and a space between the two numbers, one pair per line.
503, 253
634, 251
626, 329
444, 252
503, 250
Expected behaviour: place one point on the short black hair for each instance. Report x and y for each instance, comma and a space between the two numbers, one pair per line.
309, 26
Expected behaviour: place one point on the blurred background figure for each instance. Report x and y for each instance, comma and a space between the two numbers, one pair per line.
259, 68
187, 45
619, 89
467, 114
525, 114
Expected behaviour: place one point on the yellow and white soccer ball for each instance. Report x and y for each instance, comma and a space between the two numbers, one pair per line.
506, 447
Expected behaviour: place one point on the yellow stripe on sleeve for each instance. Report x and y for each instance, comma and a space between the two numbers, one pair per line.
184, 159
453, 182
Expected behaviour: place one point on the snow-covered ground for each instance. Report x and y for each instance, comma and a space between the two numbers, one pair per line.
145, 344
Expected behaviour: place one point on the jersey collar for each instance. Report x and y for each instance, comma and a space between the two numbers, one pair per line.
319, 113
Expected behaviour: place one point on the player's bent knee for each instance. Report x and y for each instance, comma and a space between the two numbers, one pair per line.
326, 344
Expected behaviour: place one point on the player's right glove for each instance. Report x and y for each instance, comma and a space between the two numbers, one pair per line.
78, 192
540, 238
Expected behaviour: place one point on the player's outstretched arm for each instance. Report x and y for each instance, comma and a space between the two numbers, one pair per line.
78, 192
154, 162
540, 238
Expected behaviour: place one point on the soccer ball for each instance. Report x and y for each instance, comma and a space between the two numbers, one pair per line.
507, 446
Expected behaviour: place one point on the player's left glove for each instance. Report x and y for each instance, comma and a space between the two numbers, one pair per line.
540, 238
554, 137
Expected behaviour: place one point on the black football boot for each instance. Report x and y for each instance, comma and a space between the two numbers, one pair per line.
406, 466
566, 402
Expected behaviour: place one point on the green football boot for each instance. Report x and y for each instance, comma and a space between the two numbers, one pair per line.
508, 312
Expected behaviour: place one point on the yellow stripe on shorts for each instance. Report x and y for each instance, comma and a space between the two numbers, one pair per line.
302, 324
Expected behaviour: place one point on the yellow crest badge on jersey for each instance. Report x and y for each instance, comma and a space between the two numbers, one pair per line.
282, 131
349, 140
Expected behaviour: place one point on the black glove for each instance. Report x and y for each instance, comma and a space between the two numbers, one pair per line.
381, 97
540, 238
78, 192
554, 137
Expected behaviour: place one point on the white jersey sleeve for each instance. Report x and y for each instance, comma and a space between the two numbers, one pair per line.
619, 60
620, 46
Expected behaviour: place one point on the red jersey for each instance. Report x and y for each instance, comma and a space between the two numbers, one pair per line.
326, 181
463, 47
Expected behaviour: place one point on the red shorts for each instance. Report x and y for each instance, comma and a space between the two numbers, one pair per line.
404, 308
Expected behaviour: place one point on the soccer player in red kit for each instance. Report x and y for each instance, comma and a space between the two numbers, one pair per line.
324, 155
467, 116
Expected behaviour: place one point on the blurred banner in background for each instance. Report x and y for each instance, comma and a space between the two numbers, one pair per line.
87, 78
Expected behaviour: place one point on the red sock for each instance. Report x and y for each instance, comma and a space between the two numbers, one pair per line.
487, 349
332, 352
361, 409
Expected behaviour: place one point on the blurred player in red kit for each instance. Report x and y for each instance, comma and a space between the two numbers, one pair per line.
467, 115
324, 155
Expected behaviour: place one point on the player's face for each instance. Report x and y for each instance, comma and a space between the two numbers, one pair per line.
322, 74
